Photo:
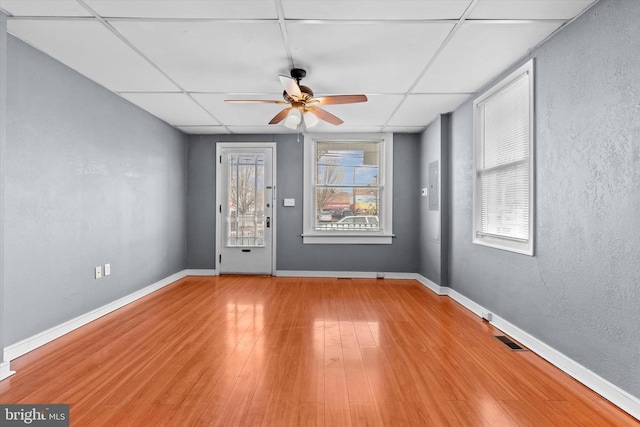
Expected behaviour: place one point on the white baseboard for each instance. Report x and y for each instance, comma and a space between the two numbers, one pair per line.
330, 274
435, 288
467, 303
22, 347
400, 276
344, 274
5, 370
611, 392
201, 272
606, 389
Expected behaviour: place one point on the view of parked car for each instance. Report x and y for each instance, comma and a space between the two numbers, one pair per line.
359, 219
325, 216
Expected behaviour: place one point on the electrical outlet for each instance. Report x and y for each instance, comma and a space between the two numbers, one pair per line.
107, 269
98, 272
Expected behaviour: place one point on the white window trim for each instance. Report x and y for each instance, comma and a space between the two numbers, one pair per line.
523, 246
312, 236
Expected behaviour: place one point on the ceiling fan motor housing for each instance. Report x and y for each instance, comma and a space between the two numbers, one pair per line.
298, 74
307, 94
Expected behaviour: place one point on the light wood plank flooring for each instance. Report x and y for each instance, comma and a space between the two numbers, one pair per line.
253, 351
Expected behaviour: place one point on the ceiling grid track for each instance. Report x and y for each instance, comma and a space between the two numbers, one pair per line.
284, 33
426, 68
115, 32
415, 60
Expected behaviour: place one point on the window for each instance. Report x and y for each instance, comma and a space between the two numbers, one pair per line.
348, 188
503, 179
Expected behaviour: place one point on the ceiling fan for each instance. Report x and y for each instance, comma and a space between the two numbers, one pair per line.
303, 104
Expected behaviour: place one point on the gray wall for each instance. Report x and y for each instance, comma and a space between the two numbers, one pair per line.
201, 202
3, 167
434, 223
91, 179
292, 254
580, 293
201, 195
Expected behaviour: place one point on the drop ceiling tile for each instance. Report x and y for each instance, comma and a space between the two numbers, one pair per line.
385, 10
212, 56
203, 130
529, 9
44, 8
364, 57
478, 52
345, 128
97, 53
195, 44
404, 129
181, 9
267, 129
420, 110
177, 109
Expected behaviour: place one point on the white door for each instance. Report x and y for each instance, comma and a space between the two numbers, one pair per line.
246, 195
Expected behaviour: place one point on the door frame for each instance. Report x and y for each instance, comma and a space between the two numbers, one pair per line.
218, 163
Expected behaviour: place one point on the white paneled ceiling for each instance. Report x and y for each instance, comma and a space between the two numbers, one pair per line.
180, 59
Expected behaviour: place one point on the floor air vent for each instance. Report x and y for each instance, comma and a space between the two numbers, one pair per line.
509, 342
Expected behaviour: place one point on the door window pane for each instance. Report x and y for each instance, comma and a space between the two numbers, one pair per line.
245, 196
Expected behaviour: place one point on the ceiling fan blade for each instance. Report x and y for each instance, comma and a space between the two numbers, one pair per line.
280, 116
253, 101
325, 115
341, 99
290, 86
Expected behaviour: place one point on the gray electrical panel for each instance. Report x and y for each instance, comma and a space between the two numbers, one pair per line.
434, 190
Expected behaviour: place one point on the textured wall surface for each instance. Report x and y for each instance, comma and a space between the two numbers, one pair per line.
434, 224
201, 195
430, 226
201, 203
401, 256
292, 254
91, 179
580, 293
3, 166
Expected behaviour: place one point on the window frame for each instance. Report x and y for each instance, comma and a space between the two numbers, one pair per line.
498, 241
385, 235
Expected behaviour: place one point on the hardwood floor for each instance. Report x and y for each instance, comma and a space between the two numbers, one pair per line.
252, 351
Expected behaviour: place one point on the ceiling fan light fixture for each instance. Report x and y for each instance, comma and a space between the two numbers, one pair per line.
310, 119
293, 119
301, 101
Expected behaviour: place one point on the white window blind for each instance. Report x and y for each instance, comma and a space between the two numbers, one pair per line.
503, 164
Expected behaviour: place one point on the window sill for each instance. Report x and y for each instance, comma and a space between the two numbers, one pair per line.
524, 248
347, 239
